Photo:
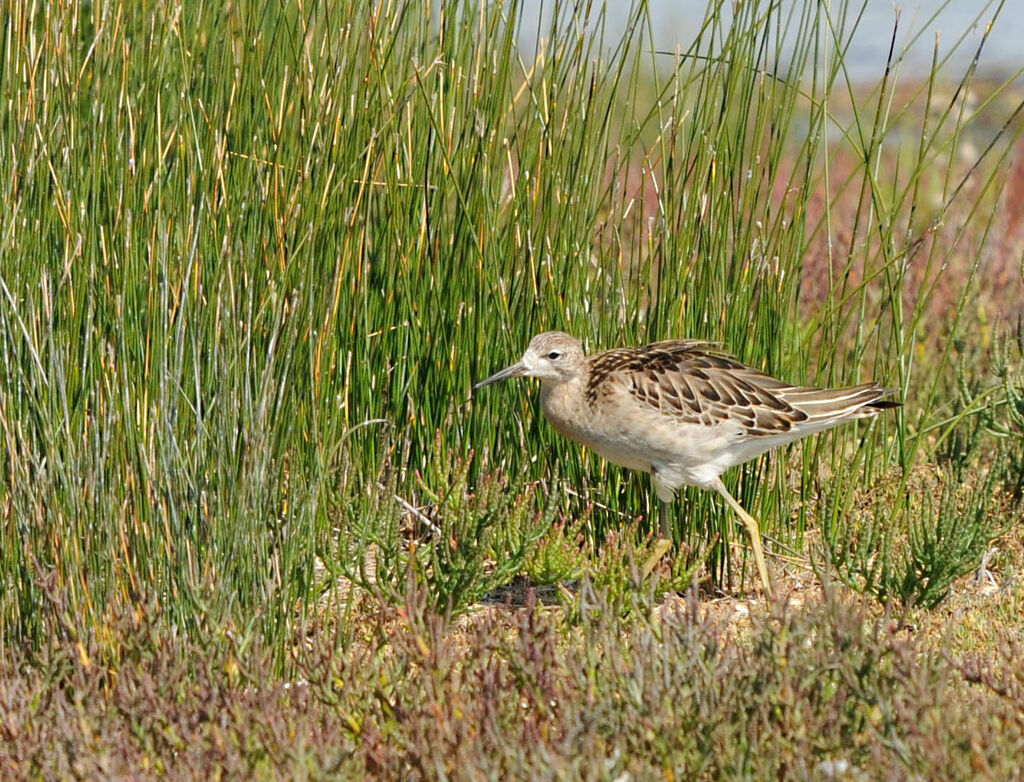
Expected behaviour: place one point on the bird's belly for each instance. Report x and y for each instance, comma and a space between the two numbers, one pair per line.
681, 454
624, 454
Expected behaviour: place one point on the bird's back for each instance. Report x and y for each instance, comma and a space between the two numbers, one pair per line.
695, 382
689, 402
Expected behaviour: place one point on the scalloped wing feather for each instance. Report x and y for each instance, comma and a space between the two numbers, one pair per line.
695, 382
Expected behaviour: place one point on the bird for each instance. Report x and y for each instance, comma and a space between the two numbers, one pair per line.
683, 410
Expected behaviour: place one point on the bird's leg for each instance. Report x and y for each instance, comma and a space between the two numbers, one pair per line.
753, 530
665, 494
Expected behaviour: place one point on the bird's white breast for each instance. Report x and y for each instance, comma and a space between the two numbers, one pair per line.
639, 437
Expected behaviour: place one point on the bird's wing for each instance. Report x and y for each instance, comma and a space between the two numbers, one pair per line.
695, 382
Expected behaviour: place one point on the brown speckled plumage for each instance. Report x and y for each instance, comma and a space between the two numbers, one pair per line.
695, 383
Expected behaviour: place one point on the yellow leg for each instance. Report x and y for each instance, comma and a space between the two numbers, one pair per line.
662, 545
754, 531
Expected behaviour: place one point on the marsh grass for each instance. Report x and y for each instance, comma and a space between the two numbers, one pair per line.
252, 260
239, 245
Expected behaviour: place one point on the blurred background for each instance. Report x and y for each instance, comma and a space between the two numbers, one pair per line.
917, 26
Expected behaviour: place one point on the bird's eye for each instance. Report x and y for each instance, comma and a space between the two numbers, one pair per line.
553, 355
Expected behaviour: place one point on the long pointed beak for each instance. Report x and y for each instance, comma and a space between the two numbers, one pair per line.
516, 370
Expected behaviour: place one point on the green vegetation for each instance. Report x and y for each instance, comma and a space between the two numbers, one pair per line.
818, 694
253, 257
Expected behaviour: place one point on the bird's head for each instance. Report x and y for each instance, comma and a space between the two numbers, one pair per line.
552, 356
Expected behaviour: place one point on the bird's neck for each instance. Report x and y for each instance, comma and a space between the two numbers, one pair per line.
560, 402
